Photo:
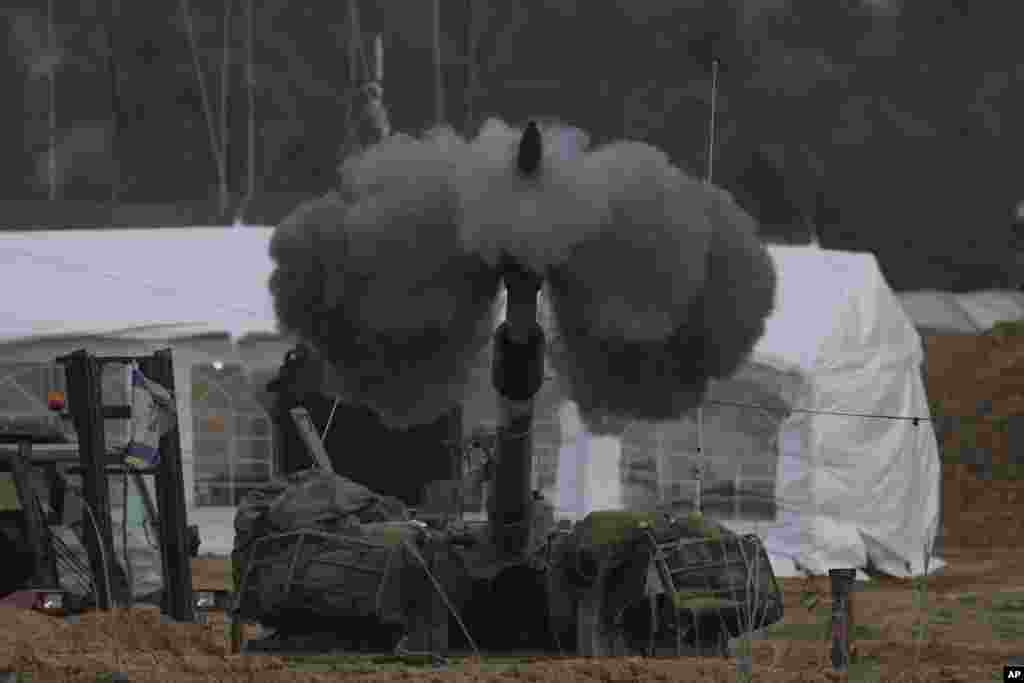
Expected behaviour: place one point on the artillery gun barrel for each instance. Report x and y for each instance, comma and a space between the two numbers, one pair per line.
517, 373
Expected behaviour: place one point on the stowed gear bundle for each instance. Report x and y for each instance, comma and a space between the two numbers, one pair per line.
330, 565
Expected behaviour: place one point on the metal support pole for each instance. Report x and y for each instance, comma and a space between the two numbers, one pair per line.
85, 399
842, 588
52, 83
177, 601
438, 63
43, 574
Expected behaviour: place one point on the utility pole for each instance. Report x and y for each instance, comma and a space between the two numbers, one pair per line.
52, 160
472, 66
116, 116
438, 66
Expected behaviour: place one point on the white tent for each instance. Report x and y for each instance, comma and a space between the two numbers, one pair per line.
145, 283
936, 312
849, 488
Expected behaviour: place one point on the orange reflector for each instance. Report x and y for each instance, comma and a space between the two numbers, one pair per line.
55, 400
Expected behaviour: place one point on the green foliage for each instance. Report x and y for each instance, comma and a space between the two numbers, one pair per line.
388, 535
1000, 424
1008, 472
1007, 625
699, 525
865, 670
865, 632
809, 600
967, 435
1008, 602
613, 526
696, 600
784, 631
1008, 328
968, 599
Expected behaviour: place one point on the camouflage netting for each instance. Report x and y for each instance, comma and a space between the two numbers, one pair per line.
319, 553
715, 573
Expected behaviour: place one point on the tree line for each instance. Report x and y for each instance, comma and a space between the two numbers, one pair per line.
889, 126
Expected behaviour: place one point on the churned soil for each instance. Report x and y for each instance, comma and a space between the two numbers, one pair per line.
975, 628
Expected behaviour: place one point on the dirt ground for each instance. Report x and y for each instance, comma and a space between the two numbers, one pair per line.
975, 610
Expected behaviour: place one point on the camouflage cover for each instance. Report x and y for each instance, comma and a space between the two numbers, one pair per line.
710, 578
321, 553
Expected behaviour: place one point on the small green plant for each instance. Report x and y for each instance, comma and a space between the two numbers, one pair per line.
968, 433
818, 631
111, 677
1008, 602
919, 631
1008, 328
864, 669
613, 526
1006, 616
1008, 471
865, 632
968, 599
809, 598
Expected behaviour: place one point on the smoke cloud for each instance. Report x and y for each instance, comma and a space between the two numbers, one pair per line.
382, 289
657, 282
688, 332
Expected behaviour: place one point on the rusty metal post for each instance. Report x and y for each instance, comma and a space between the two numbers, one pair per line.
842, 588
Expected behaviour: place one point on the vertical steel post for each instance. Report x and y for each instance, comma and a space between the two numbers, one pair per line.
177, 601
842, 587
85, 399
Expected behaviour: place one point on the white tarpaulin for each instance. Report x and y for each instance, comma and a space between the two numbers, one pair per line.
138, 283
846, 486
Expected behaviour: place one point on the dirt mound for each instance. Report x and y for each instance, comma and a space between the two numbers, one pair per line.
979, 382
974, 608
979, 379
138, 642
